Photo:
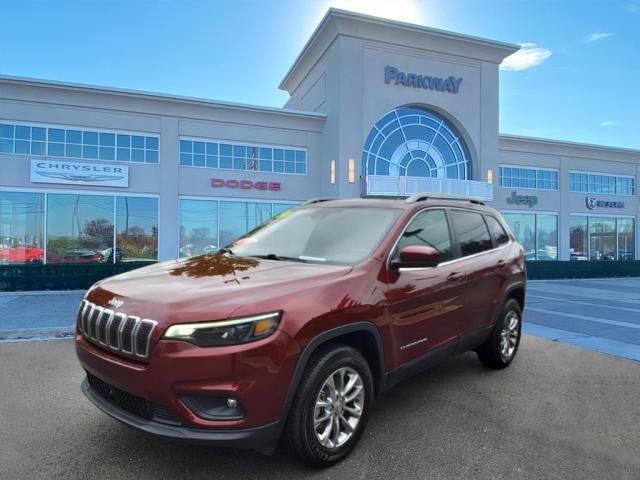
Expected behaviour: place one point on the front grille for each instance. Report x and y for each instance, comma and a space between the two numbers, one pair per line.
117, 331
131, 403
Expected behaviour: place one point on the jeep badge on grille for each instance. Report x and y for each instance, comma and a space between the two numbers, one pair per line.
115, 303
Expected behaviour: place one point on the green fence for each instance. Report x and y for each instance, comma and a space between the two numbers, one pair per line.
59, 277
580, 269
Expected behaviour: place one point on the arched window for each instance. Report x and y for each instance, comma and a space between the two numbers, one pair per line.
414, 142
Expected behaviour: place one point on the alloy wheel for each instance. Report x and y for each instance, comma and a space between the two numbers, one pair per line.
338, 408
509, 335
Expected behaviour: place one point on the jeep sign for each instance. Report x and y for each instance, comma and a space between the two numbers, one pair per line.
529, 200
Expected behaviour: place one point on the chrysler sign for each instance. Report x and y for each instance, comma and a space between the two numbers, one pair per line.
74, 173
442, 84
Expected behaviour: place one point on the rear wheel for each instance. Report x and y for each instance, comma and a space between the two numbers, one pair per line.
330, 410
502, 345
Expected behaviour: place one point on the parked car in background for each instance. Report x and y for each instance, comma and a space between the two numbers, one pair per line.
78, 255
21, 254
107, 255
291, 331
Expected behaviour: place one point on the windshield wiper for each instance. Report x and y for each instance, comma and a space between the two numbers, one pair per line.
273, 256
226, 250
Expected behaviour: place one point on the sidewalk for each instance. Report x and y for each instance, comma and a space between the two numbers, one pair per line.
31, 315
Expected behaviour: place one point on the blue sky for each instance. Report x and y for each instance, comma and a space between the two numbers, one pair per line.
579, 82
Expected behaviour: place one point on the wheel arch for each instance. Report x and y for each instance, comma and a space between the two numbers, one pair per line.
364, 336
517, 292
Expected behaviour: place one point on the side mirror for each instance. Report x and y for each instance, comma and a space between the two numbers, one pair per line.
417, 256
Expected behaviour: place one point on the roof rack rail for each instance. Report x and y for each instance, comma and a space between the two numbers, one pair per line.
318, 200
421, 197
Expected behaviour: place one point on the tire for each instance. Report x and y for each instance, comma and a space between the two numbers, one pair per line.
332, 362
493, 353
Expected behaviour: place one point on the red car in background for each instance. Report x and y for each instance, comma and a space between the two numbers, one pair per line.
22, 254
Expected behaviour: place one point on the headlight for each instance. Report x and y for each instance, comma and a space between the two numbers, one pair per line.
229, 332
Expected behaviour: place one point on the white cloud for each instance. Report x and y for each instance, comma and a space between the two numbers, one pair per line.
594, 37
528, 56
608, 123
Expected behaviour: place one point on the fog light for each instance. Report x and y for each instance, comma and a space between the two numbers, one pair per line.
213, 407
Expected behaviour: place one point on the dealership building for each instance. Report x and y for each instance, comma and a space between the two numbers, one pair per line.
376, 108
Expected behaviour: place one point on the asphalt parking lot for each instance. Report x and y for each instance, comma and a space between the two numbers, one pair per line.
557, 412
598, 314
560, 410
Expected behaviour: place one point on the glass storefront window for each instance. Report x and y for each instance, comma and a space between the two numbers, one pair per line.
523, 226
136, 230
237, 218
547, 236
207, 225
21, 227
198, 227
626, 239
281, 207
538, 234
79, 228
578, 238
602, 238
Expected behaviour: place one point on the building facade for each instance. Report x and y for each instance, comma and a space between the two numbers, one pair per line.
376, 108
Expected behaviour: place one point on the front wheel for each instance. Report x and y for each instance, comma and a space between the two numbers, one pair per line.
330, 410
500, 348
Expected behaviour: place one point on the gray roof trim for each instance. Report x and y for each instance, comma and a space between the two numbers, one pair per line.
566, 143
157, 96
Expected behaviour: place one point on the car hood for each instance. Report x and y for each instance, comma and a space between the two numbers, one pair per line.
210, 287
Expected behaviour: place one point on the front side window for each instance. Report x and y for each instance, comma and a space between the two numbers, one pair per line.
496, 228
428, 229
333, 235
471, 232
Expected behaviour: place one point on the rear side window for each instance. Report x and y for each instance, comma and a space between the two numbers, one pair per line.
429, 229
498, 231
471, 231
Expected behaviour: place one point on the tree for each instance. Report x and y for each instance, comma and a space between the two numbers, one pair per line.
100, 228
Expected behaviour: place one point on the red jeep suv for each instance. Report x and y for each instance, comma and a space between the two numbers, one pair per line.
291, 331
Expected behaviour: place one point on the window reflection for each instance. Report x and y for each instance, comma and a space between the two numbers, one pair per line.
626, 239
79, 228
578, 238
602, 238
21, 227
207, 225
198, 227
547, 237
237, 218
136, 230
523, 226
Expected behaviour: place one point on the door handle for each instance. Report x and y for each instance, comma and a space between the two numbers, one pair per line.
454, 276
502, 262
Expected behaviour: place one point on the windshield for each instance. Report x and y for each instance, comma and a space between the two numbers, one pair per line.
340, 235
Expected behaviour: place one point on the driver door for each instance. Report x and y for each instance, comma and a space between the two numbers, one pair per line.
424, 303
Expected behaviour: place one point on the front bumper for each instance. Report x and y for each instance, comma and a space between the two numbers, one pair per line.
257, 375
257, 438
